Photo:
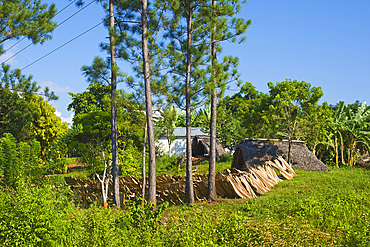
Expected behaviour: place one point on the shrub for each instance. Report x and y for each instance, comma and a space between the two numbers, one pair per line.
19, 161
226, 158
32, 216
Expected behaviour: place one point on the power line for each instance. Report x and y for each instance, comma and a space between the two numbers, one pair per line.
62, 45
54, 17
54, 28
14, 45
18, 53
75, 13
64, 8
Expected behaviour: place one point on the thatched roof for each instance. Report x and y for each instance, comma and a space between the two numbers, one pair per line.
254, 152
201, 146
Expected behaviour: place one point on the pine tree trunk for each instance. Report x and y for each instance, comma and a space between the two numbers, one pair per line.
212, 195
148, 100
189, 190
115, 165
144, 147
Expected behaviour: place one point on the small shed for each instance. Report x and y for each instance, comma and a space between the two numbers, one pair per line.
254, 152
200, 147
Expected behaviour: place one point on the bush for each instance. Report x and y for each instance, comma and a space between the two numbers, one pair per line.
167, 164
226, 158
19, 161
32, 216
46, 216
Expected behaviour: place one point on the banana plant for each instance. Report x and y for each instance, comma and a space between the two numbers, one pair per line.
358, 129
335, 130
349, 130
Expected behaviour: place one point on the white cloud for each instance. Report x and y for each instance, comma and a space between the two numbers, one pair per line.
58, 113
55, 87
69, 119
4, 57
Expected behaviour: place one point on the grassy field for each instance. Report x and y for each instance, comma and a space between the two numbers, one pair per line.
313, 209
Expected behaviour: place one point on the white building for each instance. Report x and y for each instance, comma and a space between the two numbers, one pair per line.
178, 146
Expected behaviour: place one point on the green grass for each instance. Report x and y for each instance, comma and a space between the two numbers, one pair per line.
73, 160
313, 209
77, 169
326, 208
81, 174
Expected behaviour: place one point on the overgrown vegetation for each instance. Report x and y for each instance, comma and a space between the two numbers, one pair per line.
313, 209
37, 209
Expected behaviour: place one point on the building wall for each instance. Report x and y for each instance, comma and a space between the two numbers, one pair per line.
178, 146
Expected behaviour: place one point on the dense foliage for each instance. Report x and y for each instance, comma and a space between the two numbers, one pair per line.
92, 112
38, 210
290, 110
347, 137
22, 113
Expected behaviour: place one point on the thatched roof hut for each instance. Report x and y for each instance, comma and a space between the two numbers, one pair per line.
254, 152
200, 147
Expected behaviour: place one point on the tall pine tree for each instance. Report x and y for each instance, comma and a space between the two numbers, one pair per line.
225, 27
138, 26
115, 165
194, 31
187, 35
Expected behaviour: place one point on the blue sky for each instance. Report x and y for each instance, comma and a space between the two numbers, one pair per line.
325, 43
